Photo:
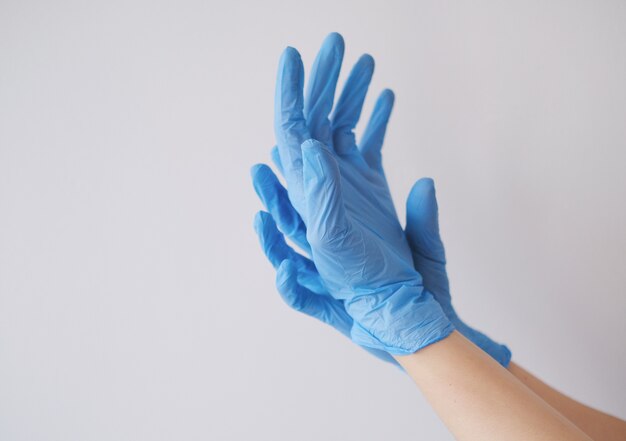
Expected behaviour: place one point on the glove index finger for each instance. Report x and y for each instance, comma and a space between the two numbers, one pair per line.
289, 123
372, 142
321, 87
348, 109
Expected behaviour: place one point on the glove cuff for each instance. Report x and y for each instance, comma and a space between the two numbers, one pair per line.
406, 320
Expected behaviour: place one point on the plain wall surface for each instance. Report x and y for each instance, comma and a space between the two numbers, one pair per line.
135, 302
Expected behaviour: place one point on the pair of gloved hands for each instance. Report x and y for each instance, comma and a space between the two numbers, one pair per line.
384, 287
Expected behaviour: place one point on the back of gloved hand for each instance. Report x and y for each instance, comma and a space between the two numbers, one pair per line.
357, 243
299, 283
360, 262
422, 230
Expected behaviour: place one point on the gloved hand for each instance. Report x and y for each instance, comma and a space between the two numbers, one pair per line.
357, 243
422, 229
298, 281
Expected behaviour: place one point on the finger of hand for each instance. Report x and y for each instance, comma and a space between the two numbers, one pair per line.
326, 217
324, 308
350, 104
276, 200
374, 136
422, 221
276, 250
321, 87
289, 123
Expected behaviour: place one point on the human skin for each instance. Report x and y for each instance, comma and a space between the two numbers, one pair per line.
598, 425
478, 399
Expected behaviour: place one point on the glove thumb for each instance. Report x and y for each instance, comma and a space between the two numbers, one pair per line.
326, 218
422, 221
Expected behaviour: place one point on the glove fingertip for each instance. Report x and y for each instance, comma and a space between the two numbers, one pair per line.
290, 53
335, 40
506, 356
263, 178
421, 188
255, 169
421, 205
312, 144
258, 221
387, 97
261, 173
367, 61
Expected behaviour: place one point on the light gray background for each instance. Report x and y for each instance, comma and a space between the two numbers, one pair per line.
135, 303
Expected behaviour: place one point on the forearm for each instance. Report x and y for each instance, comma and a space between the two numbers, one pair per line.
596, 424
478, 399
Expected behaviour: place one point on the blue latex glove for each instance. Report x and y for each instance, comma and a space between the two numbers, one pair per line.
422, 232
357, 243
298, 281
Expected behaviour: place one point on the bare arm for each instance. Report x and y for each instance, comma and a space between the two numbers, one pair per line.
598, 425
478, 399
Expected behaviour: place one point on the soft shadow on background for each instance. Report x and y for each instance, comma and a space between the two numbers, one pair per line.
135, 302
